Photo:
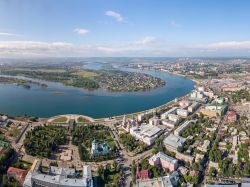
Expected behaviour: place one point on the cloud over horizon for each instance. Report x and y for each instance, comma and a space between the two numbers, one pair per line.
8, 34
144, 47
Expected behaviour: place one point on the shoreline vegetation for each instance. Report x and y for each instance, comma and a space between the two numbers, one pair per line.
20, 82
111, 80
57, 93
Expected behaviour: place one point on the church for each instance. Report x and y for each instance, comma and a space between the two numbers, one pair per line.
99, 149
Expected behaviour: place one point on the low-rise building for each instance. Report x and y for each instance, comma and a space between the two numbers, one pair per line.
173, 117
214, 110
184, 157
57, 177
145, 115
232, 87
221, 185
199, 157
165, 181
192, 108
168, 123
200, 89
172, 142
231, 116
184, 103
205, 146
18, 174
182, 112
235, 142
182, 127
5, 121
163, 160
220, 100
209, 94
196, 95
146, 133
171, 111
183, 170
154, 121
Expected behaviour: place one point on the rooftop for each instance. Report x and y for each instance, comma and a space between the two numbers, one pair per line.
59, 176
174, 141
164, 157
20, 174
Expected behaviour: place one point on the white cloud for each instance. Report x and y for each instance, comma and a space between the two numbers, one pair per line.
81, 31
174, 24
8, 34
146, 40
145, 47
225, 45
117, 16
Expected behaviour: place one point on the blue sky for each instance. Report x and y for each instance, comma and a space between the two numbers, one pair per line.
124, 28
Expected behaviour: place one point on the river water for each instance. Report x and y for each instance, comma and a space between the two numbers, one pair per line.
59, 99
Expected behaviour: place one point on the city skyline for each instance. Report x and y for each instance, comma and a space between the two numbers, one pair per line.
124, 28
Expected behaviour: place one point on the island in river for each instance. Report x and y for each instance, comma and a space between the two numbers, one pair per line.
20, 82
41, 102
111, 80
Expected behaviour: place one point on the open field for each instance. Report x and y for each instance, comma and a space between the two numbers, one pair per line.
60, 120
87, 74
40, 70
82, 120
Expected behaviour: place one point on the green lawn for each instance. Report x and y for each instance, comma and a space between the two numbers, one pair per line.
82, 120
40, 70
60, 120
14, 132
22, 164
86, 74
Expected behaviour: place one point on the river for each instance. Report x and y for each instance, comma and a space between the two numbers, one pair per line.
59, 99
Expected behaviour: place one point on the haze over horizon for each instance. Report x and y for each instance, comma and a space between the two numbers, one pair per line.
101, 28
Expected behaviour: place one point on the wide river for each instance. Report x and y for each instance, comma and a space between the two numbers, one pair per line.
59, 99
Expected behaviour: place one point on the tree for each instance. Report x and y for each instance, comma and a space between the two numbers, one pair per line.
212, 172
246, 169
10, 182
195, 180
134, 171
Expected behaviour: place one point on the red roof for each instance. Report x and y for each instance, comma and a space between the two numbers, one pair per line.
232, 113
19, 174
145, 174
2, 149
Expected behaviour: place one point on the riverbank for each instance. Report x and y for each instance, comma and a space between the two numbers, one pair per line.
19, 82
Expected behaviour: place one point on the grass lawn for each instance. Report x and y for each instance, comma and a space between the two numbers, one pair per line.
86, 74
60, 120
41, 70
22, 164
14, 132
82, 120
